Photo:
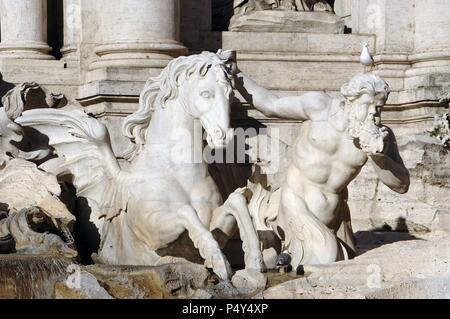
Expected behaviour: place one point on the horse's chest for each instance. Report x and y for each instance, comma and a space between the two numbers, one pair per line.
197, 184
205, 191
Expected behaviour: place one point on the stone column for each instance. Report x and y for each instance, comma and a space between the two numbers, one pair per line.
432, 34
429, 77
393, 24
24, 29
139, 33
72, 29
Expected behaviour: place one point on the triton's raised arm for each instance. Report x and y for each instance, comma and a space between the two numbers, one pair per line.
309, 106
390, 167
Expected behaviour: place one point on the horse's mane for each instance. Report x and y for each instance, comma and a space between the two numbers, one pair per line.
165, 87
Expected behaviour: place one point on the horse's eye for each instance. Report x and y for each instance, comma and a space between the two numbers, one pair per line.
205, 94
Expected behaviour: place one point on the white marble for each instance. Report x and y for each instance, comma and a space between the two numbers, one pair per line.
164, 191
339, 136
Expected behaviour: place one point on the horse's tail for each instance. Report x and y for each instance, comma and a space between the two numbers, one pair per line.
263, 205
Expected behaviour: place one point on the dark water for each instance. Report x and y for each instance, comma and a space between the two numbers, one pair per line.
26, 276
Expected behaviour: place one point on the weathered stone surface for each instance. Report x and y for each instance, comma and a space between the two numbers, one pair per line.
408, 269
30, 277
35, 221
424, 208
25, 39
160, 282
85, 286
249, 281
23, 185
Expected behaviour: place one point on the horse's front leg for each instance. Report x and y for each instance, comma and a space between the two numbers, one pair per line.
236, 206
204, 241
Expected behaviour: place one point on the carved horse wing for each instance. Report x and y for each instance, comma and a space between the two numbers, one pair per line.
84, 151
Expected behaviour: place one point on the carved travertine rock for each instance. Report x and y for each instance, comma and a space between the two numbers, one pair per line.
178, 280
412, 269
88, 288
36, 221
32, 231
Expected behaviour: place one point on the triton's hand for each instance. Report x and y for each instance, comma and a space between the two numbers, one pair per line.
373, 142
230, 57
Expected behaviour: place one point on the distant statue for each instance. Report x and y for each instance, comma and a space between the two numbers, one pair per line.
297, 16
246, 6
310, 212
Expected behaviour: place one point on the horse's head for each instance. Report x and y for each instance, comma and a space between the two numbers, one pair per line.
206, 94
202, 84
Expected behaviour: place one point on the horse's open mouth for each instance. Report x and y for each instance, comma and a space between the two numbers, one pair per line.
216, 143
221, 141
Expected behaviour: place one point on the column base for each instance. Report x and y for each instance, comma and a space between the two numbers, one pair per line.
31, 51
138, 54
70, 53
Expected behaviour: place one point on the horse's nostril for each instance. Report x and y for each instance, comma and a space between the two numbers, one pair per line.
218, 132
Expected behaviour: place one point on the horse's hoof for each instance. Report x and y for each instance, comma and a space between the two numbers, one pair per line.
284, 259
220, 266
285, 269
300, 270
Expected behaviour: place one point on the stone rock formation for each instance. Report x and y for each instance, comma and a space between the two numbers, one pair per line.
406, 269
35, 221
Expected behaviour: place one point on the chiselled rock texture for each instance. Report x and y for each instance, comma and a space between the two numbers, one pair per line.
88, 288
407, 269
424, 208
181, 280
23, 185
34, 220
31, 277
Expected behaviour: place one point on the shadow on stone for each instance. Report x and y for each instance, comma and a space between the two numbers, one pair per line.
4, 86
371, 239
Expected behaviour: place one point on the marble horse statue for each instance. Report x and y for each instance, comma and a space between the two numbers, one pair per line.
162, 193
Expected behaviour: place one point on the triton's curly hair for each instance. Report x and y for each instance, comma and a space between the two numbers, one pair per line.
367, 83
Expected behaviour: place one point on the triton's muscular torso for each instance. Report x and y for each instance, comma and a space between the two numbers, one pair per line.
324, 161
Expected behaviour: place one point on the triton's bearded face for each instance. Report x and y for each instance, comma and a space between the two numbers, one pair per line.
365, 122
